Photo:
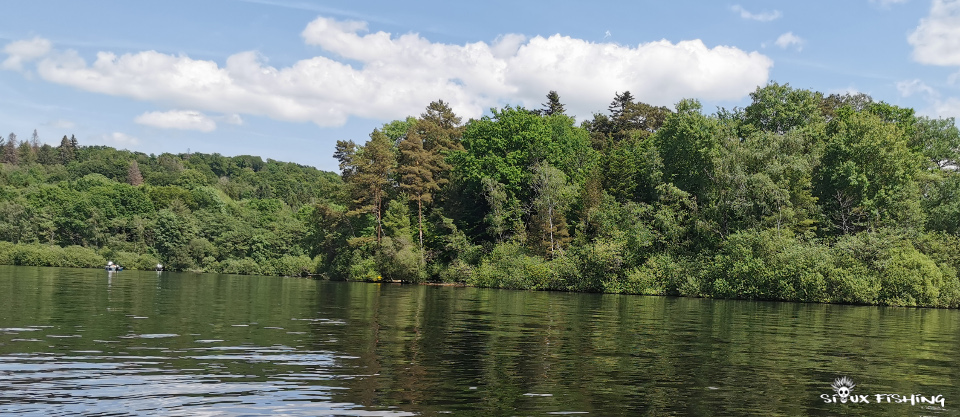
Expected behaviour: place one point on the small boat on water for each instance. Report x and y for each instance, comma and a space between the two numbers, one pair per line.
159, 267
113, 267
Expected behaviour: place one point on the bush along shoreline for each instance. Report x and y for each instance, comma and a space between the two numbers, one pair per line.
799, 196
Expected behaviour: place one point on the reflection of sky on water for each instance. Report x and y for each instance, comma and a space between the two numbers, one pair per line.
43, 384
187, 344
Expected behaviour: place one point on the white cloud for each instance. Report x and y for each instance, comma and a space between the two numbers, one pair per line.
178, 119
946, 108
762, 16
887, 3
908, 88
20, 52
936, 41
233, 119
61, 124
391, 76
936, 105
119, 139
507, 45
659, 73
789, 39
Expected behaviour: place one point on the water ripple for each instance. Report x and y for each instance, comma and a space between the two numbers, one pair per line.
150, 385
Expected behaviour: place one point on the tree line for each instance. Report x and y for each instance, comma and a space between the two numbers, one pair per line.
82, 206
798, 196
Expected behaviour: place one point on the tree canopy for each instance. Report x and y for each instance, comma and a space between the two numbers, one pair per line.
798, 196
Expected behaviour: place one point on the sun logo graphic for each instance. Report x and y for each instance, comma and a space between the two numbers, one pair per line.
843, 387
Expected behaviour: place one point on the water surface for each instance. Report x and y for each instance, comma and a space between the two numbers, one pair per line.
76, 341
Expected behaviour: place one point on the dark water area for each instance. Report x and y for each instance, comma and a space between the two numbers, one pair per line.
82, 342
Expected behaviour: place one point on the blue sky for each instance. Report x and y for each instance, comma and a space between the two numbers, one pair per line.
285, 79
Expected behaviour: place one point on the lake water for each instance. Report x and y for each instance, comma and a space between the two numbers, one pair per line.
76, 341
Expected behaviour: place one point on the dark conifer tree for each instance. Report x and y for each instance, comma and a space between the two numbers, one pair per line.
10, 154
553, 104
66, 149
417, 169
369, 170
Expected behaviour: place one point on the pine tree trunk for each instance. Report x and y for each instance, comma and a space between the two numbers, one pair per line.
420, 221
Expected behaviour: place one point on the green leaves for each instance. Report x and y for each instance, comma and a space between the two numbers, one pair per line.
689, 144
868, 174
780, 108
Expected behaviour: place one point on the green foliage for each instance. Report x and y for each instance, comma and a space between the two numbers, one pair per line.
552, 194
868, 175
661, 274
895, 272
46, 255
364, 269
690, 142
796, 197
503, 148
942, 205
601, 264
293, 266
509, 266
780, 108
244, 266
764, 180
396, 220
399, 259
632, 170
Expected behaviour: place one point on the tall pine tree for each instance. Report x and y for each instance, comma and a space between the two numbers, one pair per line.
553, 104
418, 168
67, 152
367, 172
10, 154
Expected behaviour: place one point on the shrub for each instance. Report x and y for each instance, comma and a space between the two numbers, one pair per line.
659, 275
508, 266
80, 257
601, 265
456, 271
36, 255
363, 269
293, 266
245, 266
7, 252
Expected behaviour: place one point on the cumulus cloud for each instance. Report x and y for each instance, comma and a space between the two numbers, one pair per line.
20, 52
119, 139
762, 16
936, 41
384, 76
178, 119
789, 39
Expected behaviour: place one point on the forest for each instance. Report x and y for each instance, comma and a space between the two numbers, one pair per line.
799, 196
82, 206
